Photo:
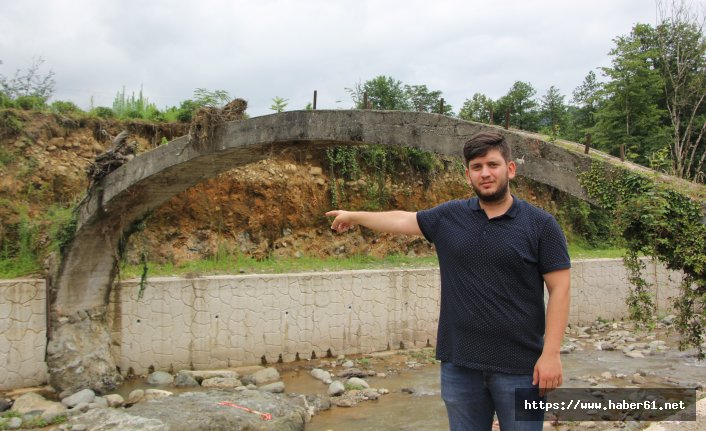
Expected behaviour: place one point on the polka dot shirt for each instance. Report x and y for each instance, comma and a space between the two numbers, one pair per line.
492, 290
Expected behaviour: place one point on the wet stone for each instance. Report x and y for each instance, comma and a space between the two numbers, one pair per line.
83, 396
160, 378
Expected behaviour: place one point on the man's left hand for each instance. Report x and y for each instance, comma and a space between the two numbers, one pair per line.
548, 373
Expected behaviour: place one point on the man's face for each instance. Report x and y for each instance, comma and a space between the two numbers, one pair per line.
489, 176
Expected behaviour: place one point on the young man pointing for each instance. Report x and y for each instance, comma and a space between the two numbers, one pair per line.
496, 252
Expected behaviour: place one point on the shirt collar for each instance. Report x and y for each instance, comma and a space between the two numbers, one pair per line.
511, 212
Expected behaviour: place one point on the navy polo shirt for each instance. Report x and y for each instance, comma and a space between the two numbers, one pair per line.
492, 290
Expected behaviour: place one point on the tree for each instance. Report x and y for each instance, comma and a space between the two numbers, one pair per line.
278, 104
30, 83
420, 99
384, 92
682, 54
211, 98
632, 113
477, 108
553, 110
519, 101
586, 100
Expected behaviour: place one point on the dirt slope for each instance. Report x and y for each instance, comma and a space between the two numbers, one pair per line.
271, 208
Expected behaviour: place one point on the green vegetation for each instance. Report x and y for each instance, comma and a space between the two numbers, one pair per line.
657, 221
278, 104
22, 245
33, 423
234, 264
131, 107
379, 163
387, 93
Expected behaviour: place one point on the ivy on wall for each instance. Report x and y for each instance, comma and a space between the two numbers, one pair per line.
656, 221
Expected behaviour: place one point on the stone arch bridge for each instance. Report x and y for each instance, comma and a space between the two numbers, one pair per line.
78, 353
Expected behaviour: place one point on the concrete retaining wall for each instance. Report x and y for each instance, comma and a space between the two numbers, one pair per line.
23, 333
212, 322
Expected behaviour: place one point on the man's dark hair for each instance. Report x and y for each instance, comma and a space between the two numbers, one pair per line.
480, 143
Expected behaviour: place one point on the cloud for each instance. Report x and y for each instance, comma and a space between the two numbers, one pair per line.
259, 50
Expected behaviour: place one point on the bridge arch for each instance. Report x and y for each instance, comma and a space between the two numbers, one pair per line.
78, 353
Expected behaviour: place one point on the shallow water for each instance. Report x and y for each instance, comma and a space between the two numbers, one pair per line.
424, 410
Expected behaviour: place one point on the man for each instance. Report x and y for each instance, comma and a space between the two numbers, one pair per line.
496, 252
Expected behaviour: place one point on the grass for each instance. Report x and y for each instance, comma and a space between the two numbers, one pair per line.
234, 264
579, 250
222, 264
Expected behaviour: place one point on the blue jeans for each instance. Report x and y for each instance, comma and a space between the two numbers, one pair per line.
472, 397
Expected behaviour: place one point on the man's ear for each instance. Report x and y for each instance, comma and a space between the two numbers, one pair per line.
468, 177
511, 169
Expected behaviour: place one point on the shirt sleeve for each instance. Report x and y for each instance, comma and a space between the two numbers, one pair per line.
430, 219
553, 248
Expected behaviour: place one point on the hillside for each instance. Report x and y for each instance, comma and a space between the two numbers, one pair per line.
273, 208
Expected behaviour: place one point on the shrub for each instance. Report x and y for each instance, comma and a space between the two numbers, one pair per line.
64, 107
29, 103
103, 112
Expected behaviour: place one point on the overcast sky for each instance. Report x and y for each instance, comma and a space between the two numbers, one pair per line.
260, 49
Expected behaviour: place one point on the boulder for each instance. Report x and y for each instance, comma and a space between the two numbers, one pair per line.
355, 381
204, 411
114, 400
83, 396
336, 388
153, 394
267, 375
322, 375
135, 396
32, 402
221, 383
115, 420
201, 375
184, 379
160, 378
275, 388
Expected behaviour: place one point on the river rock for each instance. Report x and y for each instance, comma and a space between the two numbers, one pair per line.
267, 375
114, 400
83, 396
348, 364
115, 420
201, 411
275, 388
184, 379
352, 372
221, 383
634, 354
638, 379
336, 388
13, 423
4, 404
201, 375
153, 394
567, 348
31, 402
355, 381
160, 378
135, 396
322, 375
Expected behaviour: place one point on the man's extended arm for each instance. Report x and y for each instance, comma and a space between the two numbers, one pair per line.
547, 371
400, 222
